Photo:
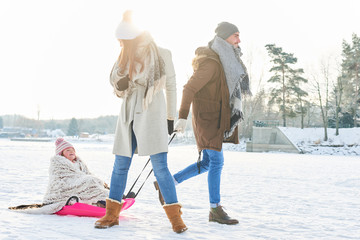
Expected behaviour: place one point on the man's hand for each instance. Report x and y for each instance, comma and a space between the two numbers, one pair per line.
180, 125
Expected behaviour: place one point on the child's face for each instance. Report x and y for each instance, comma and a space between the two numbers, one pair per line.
69, 153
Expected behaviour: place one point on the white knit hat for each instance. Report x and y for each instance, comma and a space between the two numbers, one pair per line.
126, 30
61, 145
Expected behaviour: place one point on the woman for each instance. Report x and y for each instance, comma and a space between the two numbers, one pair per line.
139, 76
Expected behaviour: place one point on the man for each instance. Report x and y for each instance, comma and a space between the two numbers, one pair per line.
214, 90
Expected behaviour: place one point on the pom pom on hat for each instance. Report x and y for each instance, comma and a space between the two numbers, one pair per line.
225, 30
61, 145
126, 30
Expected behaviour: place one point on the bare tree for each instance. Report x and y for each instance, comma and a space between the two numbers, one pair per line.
322, 89
253, 106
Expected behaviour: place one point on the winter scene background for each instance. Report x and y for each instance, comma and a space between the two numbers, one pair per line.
56, 57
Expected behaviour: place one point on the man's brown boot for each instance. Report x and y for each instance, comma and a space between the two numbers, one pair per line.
219, 215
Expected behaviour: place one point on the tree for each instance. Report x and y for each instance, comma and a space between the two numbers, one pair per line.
321, 84
338, 92
350, 73
295, 86
283, 80
254, 108
1, 123
73, 129
323, 106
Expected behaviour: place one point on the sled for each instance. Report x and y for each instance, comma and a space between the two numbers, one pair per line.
85, 210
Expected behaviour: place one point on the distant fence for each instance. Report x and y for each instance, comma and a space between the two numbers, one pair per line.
266, 123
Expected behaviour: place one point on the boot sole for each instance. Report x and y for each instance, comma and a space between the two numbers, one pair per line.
233, 223
104, 227
182, 230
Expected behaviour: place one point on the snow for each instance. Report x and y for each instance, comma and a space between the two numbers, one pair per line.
273, 195
310, 140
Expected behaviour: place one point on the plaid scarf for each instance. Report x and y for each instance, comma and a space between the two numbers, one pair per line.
236, 78
153, 73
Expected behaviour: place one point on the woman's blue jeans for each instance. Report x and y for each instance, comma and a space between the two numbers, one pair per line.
161, 172
213, 161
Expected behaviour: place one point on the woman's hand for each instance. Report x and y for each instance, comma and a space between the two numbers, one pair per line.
170, 126
123, 83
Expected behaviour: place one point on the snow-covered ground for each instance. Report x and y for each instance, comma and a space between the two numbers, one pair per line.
311, 140
308, 140
273, 195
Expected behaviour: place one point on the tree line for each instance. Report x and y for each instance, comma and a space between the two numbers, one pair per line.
329, 97
71, 127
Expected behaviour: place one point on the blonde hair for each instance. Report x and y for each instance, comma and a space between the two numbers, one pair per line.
128, 56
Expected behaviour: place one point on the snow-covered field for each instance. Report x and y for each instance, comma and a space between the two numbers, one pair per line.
273, 195
310, 140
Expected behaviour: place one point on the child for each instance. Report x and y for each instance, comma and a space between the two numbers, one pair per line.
68, 176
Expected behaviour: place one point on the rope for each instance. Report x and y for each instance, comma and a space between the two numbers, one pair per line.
173, 135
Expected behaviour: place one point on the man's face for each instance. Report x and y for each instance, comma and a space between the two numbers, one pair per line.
234, 39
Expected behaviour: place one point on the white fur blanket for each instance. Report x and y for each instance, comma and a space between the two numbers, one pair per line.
67, 179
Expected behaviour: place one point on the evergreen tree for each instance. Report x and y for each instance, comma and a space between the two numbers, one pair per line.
351, 74
338, 92
283, 80
73, 129
299, 94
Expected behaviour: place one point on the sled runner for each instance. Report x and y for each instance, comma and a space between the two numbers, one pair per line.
85, 210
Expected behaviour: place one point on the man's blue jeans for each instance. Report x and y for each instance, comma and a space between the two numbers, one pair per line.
213, 161
161, 172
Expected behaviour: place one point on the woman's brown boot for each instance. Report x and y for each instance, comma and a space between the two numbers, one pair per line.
173, 212
111, 217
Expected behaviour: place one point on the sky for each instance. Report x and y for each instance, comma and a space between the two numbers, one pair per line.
56, 56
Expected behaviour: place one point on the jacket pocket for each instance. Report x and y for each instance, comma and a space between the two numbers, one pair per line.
208, 114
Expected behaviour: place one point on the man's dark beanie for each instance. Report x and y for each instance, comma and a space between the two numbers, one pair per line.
225, 30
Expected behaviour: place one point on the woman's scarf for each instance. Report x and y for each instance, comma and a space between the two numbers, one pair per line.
153, 75
236, 78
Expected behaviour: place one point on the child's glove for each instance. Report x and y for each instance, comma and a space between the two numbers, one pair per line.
180, 125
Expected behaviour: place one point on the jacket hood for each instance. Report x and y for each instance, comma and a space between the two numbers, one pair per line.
202, 54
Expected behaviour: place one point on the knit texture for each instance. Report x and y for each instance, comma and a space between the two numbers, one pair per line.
153, 74
68, 179
235, 72
61, 144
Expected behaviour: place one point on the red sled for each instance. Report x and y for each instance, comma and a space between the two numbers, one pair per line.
85, 210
